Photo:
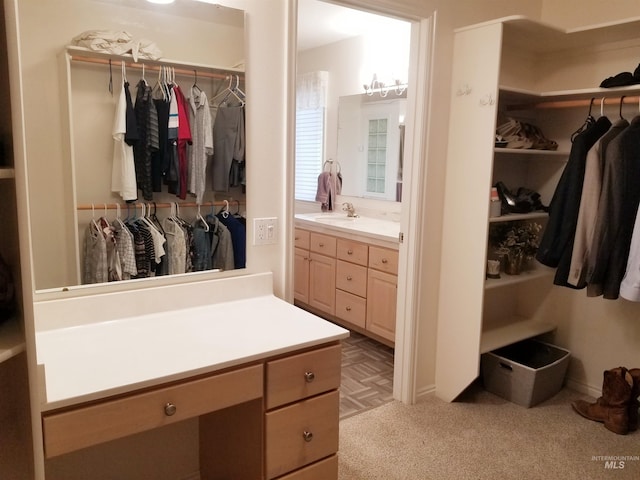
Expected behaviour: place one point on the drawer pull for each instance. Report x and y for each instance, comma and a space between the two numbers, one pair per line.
349, 277
349, 252
309, 377
384, 260
321, 245
348, 308
308, 436
169, 409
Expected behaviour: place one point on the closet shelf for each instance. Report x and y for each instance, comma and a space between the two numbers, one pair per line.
79, 54
505, 280
11, 340
6, 172
521, 99
531, 151
512, 217
518, 329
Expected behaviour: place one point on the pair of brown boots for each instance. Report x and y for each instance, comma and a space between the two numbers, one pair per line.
618, 406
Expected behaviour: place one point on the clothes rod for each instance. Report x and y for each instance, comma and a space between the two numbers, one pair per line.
154, 67
123, 206
577, 103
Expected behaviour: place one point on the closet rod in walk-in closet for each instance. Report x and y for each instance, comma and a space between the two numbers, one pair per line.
123, 206
577, 103
203, 71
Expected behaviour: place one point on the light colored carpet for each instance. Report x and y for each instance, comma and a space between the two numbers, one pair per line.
483, 437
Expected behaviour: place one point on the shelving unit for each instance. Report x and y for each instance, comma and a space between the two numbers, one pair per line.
11, 340
518, 68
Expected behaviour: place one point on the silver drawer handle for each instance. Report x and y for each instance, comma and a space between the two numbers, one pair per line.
349, 252
308, 436
170, 409
348, 309
349, 277
321, 245
309, 377
384, 260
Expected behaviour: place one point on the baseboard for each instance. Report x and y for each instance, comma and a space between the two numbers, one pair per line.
425, 392
582, 387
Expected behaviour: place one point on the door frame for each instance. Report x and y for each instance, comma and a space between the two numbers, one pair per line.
414, 174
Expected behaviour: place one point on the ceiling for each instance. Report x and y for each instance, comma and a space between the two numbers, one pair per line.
321, 23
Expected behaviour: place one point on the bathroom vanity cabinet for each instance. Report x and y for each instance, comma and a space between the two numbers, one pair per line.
350, 282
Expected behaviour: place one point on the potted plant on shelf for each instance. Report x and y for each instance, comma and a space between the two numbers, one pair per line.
517, 243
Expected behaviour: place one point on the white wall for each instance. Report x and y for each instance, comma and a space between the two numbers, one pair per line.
581, 13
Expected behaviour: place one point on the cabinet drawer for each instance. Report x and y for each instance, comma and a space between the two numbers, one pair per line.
351, 251
351, 278
301, 238
85, 426
324, 244
383, 259
301, 433
351, 308
326, 469
299, 376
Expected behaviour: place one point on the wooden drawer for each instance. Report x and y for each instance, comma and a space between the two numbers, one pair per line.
351, 278
301, 238
301, 433
351, 308
85, 426
351, 251
326, 469
300, 376
324, 244
383, 259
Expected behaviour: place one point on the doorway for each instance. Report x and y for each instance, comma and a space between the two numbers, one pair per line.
310, 16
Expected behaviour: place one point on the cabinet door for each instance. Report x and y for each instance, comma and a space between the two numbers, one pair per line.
322, 283
301, 275
382, 291
472, 123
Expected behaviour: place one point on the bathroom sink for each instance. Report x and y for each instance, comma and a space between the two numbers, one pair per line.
336, 220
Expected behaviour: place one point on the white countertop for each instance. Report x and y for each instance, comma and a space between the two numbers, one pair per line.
370, 227
88, 362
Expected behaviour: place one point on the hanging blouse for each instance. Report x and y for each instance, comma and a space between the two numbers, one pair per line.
123, 173
202, 146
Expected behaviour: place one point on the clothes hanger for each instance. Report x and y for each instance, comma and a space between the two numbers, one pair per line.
224, 211
590, 120
602, 106
200, 218
621, 101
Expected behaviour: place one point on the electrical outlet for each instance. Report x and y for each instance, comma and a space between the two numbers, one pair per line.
265, 231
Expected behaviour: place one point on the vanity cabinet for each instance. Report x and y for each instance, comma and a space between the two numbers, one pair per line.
274, 417
363, 285
315, 282
511, 68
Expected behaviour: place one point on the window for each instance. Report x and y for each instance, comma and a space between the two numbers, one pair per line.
311, 100
309, 152
377, 156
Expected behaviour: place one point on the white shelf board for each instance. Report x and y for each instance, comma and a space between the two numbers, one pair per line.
11, 340
7, 172
531, 151
512, 217
505, 280
514, 332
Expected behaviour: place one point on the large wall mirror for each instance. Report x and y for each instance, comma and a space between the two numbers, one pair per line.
71, 94
364, 62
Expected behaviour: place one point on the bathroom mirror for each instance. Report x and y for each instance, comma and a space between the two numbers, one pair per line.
69, 109
370, 145
358, 52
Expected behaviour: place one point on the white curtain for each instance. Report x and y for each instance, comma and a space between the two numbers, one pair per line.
311, 90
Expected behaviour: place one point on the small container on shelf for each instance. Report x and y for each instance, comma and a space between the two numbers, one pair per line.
495, 205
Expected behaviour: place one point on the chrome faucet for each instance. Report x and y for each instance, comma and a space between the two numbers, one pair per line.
348, 207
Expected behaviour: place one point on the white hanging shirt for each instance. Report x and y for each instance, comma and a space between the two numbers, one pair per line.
123, 172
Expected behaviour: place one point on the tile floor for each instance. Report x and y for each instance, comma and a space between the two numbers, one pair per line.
367, 375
